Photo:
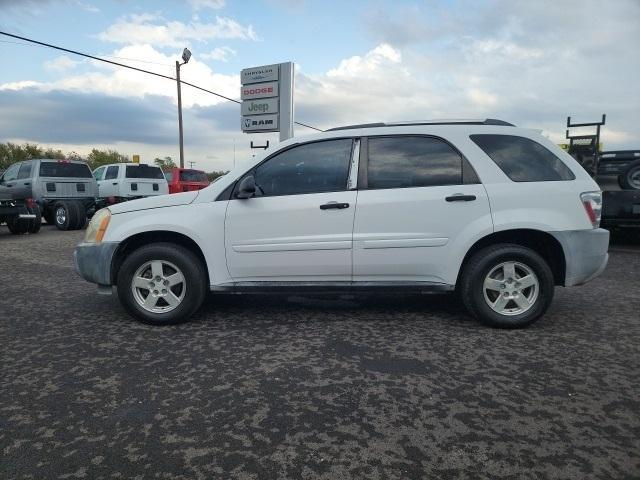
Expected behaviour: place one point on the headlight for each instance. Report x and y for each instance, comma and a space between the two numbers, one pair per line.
98, 226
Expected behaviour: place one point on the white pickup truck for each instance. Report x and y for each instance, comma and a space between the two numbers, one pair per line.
126, 181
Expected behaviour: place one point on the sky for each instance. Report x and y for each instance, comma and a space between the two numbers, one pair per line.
532, 63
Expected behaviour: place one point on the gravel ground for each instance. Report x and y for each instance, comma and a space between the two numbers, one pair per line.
289, 387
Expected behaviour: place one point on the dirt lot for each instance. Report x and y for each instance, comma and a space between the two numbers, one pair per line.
277, 387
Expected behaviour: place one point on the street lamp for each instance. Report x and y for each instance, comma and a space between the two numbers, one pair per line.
186, 55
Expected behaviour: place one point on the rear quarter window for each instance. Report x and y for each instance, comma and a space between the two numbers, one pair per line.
144, 171
523, 159
65, 169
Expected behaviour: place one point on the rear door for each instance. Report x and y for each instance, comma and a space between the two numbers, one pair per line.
419, 206
299, 225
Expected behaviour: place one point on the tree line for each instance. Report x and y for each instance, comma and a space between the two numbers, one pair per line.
11, 153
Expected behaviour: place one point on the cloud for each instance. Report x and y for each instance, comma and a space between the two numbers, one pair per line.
61, 63
221, 54
212, 4
152, 29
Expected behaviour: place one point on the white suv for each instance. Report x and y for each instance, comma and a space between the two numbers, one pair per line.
496, 212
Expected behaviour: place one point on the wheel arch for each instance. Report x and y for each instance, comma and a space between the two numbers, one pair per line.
543, 243
154, 236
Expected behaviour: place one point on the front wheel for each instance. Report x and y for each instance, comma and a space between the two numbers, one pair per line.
162, 284
507, 286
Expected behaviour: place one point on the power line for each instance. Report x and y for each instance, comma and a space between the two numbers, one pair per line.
86, 55
105, 56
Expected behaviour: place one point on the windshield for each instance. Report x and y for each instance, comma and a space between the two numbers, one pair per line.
193, 176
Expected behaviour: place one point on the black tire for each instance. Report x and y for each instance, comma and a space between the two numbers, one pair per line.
479, 266
63, 222
35, 223
17, 226
626, 179
49, 215
193, 271
80, 215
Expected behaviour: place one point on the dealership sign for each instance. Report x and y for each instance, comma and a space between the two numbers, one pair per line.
267, 99
260, 106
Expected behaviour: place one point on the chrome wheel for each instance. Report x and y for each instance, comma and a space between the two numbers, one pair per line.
61, 215
634, 178
511, 288
158, 286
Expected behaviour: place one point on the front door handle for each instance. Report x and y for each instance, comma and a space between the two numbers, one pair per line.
458, 197
114, 183
337, 205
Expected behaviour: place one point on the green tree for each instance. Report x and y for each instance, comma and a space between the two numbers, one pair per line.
165, 163
11, 153
98, 158
216, 173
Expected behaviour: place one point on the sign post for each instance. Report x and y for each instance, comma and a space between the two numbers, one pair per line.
267, 99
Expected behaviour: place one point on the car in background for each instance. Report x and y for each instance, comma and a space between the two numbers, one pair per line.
19, 211
186, 179
120, 182
64, 190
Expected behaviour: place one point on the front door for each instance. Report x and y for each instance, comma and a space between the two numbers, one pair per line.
108, 187
298, 226
420, 207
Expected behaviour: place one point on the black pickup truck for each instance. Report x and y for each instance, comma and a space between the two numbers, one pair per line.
19, 211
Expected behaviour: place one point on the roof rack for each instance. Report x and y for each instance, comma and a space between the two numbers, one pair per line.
486, 121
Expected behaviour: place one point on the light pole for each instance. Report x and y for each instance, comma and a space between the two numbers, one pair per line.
186, 55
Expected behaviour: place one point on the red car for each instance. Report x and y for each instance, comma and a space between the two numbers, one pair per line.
185, 180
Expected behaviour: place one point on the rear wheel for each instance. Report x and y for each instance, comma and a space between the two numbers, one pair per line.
34, 224
17, 226
63, 215
507, 286
162, 284
630, 177
80, 215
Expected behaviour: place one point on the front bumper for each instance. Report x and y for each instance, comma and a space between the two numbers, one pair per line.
93, 261
585, 253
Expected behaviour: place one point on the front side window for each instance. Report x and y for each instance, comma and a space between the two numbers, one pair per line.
112, 172
168, 176
11, 173
25, 170
411, 161
97, 174
522, 159
310, 168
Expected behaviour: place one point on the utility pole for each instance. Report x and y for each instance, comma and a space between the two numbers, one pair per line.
186, 55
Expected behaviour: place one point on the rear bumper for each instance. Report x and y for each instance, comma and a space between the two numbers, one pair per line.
93, 261
585, 252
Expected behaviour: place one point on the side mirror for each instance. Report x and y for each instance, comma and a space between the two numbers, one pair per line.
247, 188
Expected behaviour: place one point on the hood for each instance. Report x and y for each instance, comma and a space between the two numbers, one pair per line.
159, 201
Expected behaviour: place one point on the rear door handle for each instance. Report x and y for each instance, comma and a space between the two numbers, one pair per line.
337, 205
460, 198
114, 183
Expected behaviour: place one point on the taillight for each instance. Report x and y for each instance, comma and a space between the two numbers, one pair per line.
592, 202
30, 203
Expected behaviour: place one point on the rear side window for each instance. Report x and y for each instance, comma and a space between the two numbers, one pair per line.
405, 161
144, 171
193, 176
112, 172
522, 159
25, 170
65, 169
